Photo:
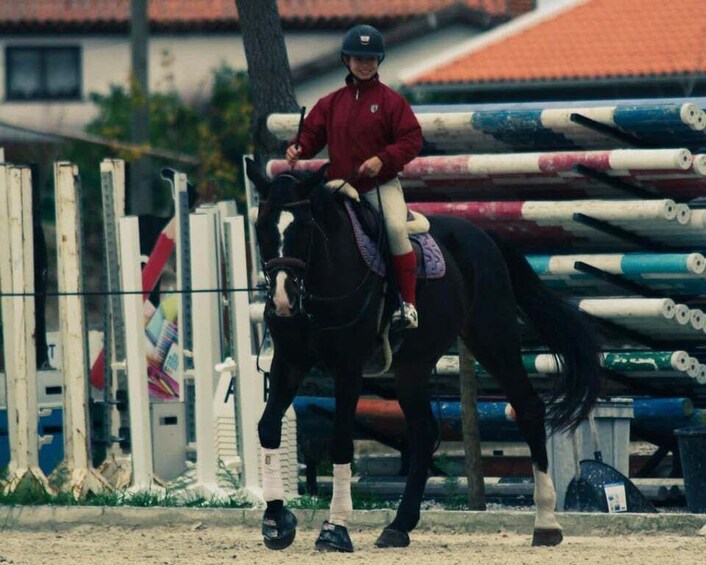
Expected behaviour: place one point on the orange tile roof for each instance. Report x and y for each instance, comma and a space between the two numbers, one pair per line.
165, 11
595, 39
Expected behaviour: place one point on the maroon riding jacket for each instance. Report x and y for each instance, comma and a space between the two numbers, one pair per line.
359, 121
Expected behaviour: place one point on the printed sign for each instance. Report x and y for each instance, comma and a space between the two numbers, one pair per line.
616, 497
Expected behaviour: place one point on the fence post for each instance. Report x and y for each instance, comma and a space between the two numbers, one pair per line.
205, 314
19, 342
72, 331
136, 360
471, 435
117, 467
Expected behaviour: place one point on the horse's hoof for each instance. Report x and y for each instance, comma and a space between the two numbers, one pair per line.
334, 538
392, 538
279, 531
546, 537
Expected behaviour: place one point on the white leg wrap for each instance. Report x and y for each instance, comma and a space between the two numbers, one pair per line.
272, 484
545, 500
341, 501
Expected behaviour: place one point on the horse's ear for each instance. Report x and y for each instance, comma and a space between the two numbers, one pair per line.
320, 175
315, 179
254, 173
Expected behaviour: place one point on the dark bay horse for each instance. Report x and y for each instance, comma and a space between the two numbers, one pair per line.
324, 305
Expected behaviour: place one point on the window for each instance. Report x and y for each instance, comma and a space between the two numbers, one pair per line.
43, 73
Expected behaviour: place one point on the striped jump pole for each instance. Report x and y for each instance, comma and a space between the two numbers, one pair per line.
659, 316
17, 278
637, 364
680, 273
465, 166
579, 223
457, 128
559, 174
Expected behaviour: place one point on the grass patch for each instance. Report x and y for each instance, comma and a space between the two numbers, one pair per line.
167, 498
30, 492
308, 502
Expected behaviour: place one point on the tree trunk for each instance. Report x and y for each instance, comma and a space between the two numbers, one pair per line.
268, 68
469, 423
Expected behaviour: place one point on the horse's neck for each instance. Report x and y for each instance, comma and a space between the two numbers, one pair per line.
335, 264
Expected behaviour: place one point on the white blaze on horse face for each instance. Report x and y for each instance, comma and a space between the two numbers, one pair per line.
285, 219
282, 305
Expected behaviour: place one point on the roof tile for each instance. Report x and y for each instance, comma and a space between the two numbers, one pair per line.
595, 39
91, 11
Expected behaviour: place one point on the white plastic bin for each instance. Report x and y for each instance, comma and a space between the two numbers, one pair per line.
613, 426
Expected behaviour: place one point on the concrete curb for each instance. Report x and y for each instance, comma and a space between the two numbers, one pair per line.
574, 524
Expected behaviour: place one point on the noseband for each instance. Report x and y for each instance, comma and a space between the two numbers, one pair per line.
296, 270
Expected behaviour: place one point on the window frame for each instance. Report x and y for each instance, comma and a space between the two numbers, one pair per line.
43, 94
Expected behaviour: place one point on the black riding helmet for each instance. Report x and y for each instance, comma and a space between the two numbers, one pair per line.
363, 41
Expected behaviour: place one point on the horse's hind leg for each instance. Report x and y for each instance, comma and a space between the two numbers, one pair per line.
412, 381
279, 525
493, 337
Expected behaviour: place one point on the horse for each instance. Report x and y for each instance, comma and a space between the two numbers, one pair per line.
324, 306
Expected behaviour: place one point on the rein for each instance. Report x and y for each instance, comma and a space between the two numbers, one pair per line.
332, 299
295, 267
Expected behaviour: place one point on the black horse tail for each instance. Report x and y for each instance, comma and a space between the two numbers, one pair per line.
568, 332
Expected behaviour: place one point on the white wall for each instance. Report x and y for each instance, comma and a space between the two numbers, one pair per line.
185, 62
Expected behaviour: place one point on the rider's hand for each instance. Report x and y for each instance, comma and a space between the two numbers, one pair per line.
292, 154
371, 167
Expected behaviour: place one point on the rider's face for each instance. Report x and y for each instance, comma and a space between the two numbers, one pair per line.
363, 68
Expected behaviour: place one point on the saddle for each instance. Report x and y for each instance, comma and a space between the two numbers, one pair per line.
365, 221
366, 224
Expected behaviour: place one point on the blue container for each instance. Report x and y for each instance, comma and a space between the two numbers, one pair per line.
51, 454
692, 452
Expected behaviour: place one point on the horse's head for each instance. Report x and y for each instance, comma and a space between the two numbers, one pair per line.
283, 229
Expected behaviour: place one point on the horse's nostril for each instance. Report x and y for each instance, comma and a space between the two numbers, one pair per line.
284, 311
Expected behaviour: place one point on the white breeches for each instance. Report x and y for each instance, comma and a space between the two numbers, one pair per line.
395, 210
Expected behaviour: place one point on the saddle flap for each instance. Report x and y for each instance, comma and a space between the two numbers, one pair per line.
430, 259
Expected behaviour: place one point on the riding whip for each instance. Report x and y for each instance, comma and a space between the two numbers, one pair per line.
299, 127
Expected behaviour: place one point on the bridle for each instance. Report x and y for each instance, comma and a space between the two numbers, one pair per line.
293, 267
297, 271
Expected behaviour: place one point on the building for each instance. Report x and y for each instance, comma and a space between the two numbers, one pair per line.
575, 50
56, 52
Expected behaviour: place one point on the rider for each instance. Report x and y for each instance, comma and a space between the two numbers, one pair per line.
372, 134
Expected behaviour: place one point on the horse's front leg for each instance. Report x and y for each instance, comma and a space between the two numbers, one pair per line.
334, 531
279, 525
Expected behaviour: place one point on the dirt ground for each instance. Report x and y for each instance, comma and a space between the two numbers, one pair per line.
201, 545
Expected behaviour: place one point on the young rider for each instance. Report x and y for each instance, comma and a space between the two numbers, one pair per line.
371, 133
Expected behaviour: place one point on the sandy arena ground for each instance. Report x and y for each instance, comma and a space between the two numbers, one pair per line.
200, 545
